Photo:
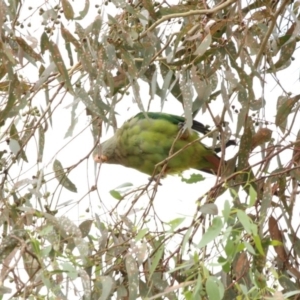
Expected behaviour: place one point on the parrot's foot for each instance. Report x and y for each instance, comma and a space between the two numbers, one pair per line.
184, 131
181, 125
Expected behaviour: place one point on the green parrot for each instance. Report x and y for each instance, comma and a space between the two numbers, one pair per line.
146, 139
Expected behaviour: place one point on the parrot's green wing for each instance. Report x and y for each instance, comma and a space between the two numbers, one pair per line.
147, 139
177, 120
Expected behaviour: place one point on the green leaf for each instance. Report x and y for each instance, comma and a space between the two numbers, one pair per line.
59, 62
69, 38
60, 65
15, 144
45, 230
61, 176
287, 283
250, 248
148, 53
185, 84
3, 71
69, 51
265, 203
209, 209
141, 233
154, 88
41, 143
144, 290
186, 238
116, 194
194, 178
198, 287
5, 290
165, 87
85, 10
284, 109
124, 185
155, 259
11, 99
129, 60
214, 288
241, 119
296, 242
230, 247
85, 227
133, 278
86, 100
70, 270
68, 9
149, 6
96, 27
226, 211
175, 223
107, 286
36, 247
204, 45
245, 149
262, 136
121, 292
74, 119
212, 232
45, 76
9, 243
290, 294
44, 42
284, 59
258, 245
245, 220
202, 87
27, 49
137, 94
253, 195
86, 283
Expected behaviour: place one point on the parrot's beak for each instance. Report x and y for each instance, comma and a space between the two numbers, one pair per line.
100, 158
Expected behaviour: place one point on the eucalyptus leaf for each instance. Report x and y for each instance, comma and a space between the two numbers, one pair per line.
212, 232
61, 176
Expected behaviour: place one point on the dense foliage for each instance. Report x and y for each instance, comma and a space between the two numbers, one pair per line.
235, 62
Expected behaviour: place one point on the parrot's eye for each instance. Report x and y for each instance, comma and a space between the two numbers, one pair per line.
100, 158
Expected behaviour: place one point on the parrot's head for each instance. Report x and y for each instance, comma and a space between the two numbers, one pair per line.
107, 152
